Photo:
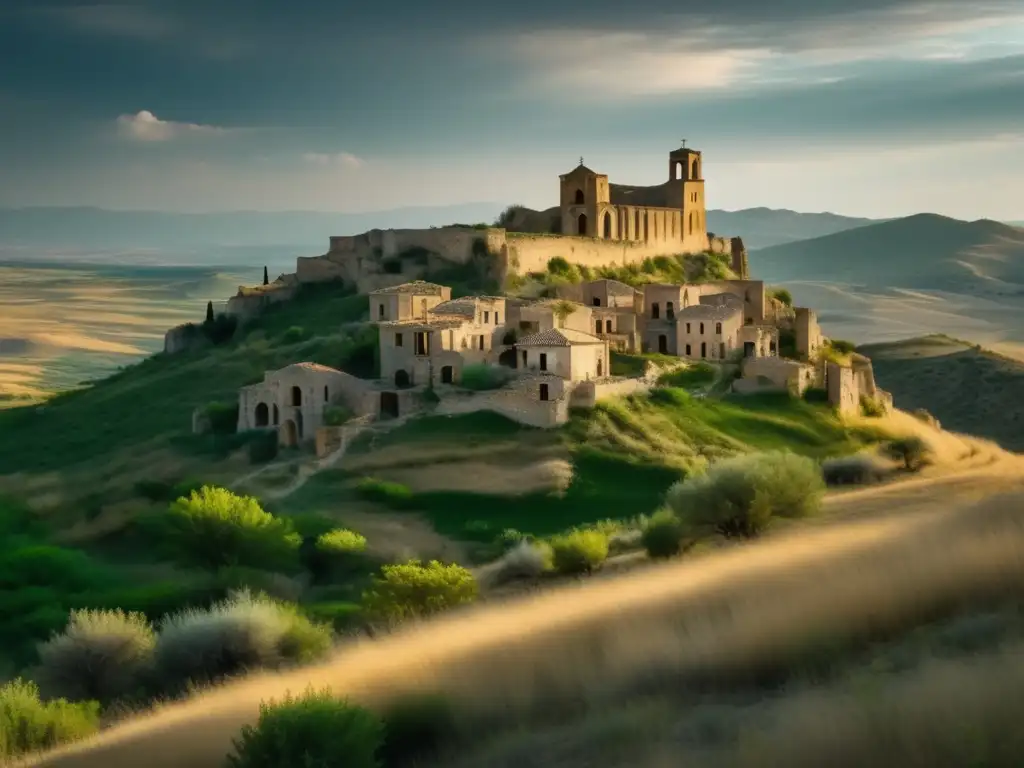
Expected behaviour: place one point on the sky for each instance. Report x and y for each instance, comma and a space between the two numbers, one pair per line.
897, 107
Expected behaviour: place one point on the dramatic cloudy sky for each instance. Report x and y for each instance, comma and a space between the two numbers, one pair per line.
869, 107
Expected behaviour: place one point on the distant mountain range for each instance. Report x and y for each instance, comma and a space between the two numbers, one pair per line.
924, 252
765, 227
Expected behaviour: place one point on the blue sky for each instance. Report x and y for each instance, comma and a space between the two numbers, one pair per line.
897, 107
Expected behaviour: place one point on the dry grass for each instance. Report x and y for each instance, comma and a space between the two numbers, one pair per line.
746, 616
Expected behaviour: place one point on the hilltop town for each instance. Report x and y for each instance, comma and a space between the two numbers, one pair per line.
542, 353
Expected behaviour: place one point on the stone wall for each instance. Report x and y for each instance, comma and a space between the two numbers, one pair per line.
514, 405
531, 253
588, 393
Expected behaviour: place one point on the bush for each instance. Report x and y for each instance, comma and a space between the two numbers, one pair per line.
926, 417
783, 295
481, 377
30, 725
263, 447
859, 469
246, 631
662, 534
738, 497
911, 450
383, 492
215, 527
416, 590
335, 551
526, 560
336, 415
816, 395
315, 730
416, 727
223, 418
872, 407
841, 346
295, 334
579, 551
691, 376
101, 656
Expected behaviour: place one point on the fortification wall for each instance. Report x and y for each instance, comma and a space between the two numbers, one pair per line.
531, 253
518, 407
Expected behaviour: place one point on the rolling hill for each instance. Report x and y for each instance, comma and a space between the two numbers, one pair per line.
924, 251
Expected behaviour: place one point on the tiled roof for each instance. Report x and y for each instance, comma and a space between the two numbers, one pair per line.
708, 312
419, 287
440, 322
465, 307
558, 337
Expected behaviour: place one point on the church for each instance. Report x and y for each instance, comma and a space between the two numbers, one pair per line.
672, 212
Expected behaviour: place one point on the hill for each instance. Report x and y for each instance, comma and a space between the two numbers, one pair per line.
925, 251
967, 388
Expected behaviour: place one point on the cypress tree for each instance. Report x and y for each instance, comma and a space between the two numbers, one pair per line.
266, 277
209, 311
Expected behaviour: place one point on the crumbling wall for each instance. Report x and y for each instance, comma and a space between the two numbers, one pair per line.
531, 253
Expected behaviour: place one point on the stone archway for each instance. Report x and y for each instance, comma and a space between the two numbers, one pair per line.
579, 197
262, 415
581, 224
289, 434
447, 374
607, 225
402, 378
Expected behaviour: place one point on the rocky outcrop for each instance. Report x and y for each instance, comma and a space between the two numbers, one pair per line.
182, 338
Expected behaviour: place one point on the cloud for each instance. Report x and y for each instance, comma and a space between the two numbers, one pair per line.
145, 126
118, 20
337, 159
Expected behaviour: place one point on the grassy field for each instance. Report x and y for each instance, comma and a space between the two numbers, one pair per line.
967, 388
891, 642
622, 457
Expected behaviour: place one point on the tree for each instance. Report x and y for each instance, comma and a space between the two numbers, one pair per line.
416, 590
912, 450
266, 277
209, 311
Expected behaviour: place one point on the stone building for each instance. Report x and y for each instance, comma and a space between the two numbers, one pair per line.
672, 213
292, 400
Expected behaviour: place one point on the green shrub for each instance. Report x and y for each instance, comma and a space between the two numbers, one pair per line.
481, 377
911, 450
859, 469
738, 497
215, 527
220, 329
315, 730
415, 590
380, 491
416, 728
689, 377
783, 295
841, 346
872, 407
578, 551
336, 415
816, 395
245, 631
27, 724
263, 447
335, 552
223, 418
101, 655
295, 334
662, 534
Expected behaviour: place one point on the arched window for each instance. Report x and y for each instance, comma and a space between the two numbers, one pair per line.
296, 397
607, 225
262, 415
579, 197
695, 169
581, 224
718, 328
679, 171
327, 395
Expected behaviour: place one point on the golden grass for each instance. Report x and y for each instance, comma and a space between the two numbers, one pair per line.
731, 618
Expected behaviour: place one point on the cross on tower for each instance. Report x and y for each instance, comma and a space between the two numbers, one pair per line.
581, 159
684, 144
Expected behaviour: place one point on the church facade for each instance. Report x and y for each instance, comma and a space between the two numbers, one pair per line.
670, 213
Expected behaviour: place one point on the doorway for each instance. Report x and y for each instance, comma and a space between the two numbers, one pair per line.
389, 404
289, 434
663, 344
446, 374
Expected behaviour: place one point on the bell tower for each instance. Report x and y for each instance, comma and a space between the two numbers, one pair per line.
686, 192
581, 193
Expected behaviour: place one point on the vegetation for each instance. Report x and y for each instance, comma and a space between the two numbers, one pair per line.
28, 724
858, 469
414, 590
782, 295
913, 451
682, 268
314, 730
579, 551
336, 415
101, 656
738, 498
484, 377
245, 631
688, 377
662, 534
215, 527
